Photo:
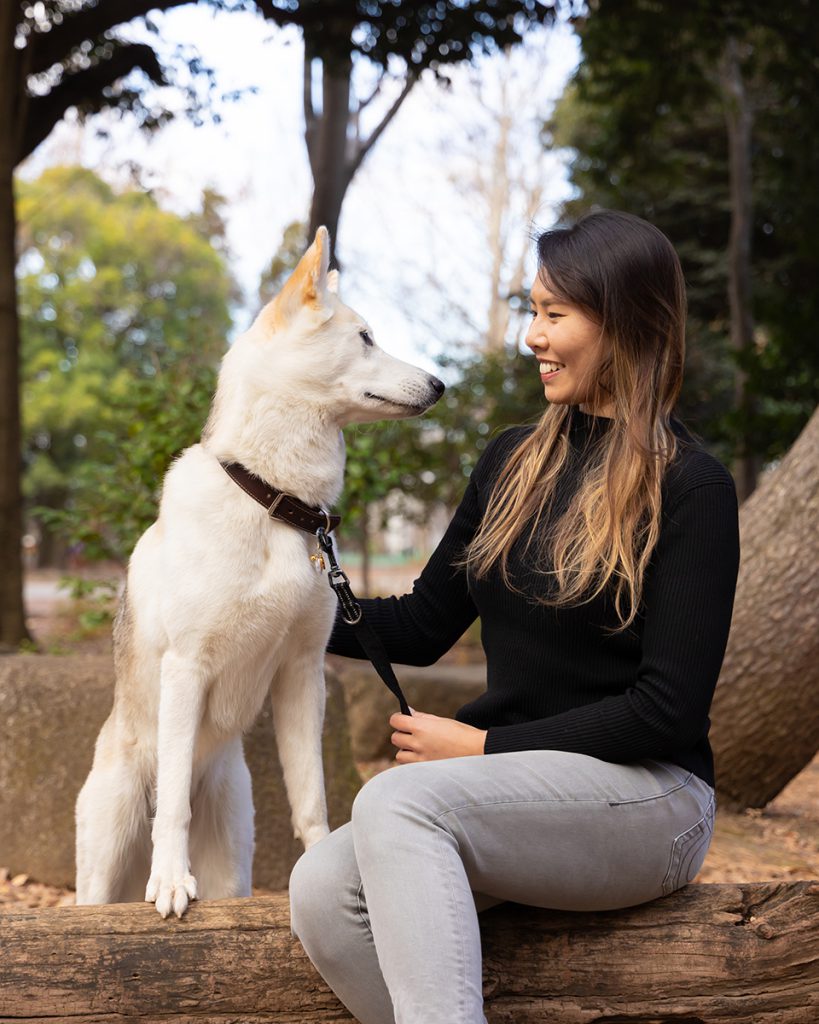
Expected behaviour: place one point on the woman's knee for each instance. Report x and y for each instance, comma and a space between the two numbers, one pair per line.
323, 883
402, 797
312, 880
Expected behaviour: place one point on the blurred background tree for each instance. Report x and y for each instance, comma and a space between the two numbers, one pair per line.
390, 44
55, 56
650, 115
124, 310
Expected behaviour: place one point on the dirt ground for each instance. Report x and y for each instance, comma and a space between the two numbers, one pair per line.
778, 842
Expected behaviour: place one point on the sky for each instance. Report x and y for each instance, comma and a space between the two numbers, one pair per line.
412, 239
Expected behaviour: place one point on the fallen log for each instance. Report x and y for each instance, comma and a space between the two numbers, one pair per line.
706, 954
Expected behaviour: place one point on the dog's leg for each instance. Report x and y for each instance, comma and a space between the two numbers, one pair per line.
297, 697
112, 819
181, 699
221, 843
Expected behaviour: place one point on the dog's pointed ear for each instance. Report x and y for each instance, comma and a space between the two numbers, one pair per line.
332, 282
312, 270
308, 285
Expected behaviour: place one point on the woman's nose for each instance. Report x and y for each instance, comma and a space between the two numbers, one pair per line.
535, 338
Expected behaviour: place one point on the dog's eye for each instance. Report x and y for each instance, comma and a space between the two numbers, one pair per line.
365, 337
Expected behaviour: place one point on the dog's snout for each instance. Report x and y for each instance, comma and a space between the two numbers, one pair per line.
437, 386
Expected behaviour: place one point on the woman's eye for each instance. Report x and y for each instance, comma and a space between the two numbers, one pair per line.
365, 337
552, 316
533, 312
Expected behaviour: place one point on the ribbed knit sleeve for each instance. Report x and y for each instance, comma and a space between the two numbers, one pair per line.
419, 627
688, 603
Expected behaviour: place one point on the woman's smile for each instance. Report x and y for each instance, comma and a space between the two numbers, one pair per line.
549, 370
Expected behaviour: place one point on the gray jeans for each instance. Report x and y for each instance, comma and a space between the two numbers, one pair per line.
387, 906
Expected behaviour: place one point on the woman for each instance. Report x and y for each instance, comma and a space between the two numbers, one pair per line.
600, 549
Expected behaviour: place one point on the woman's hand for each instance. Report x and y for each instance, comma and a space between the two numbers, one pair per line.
422, 737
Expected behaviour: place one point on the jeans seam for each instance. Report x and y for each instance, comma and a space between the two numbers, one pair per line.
358, 907
439, 833
706, 815
655, 796
537, 800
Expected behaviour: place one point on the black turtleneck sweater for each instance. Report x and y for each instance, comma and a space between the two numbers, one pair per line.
555, 678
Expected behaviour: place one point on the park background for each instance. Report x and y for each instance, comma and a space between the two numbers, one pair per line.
169, 162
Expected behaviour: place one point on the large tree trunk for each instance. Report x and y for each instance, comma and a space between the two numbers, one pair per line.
746, 954
12, 616
766, 706
739, 123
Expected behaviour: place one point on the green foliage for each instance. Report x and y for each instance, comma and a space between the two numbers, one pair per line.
124, 317
96, 599
424, 35
646, 119
112, 499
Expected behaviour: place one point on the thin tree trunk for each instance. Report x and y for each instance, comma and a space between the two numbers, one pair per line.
329, 148
12, 615
498, 189
766, 705
334, 145
739, 122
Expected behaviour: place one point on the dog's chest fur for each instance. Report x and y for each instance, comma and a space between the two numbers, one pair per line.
287, 615
221, 584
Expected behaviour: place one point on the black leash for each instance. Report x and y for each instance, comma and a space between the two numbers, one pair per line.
353, 615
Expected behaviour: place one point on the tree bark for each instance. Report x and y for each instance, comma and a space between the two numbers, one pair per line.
12, 110
766, 706
334, 146
707, 954
739, 123
329, 147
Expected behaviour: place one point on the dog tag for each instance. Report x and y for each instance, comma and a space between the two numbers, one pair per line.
318, 562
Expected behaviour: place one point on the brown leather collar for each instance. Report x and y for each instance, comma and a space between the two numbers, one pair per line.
280, 505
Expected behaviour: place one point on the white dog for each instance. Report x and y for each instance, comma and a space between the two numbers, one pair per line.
223, 604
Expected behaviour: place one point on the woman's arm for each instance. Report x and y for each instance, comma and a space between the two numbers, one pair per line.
688, 601
419, 627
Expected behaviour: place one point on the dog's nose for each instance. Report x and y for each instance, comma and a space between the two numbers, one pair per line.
438, 386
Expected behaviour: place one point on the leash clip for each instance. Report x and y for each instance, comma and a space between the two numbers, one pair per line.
350, 608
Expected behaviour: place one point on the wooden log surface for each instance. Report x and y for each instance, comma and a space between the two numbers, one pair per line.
706, 954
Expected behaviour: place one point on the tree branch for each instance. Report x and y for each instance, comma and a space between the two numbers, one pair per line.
365, 146
309, 109
86, 88
49, 48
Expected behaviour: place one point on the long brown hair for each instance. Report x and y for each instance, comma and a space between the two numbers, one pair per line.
624, 274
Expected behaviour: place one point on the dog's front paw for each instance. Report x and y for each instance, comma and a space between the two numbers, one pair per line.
170, 890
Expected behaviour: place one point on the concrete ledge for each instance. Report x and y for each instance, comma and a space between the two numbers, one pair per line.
51, 710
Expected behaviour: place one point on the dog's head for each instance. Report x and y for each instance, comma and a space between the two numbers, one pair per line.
308, 342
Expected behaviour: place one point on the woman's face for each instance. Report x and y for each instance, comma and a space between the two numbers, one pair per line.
569, 347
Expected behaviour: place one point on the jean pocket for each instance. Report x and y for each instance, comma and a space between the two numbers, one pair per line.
688, 851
